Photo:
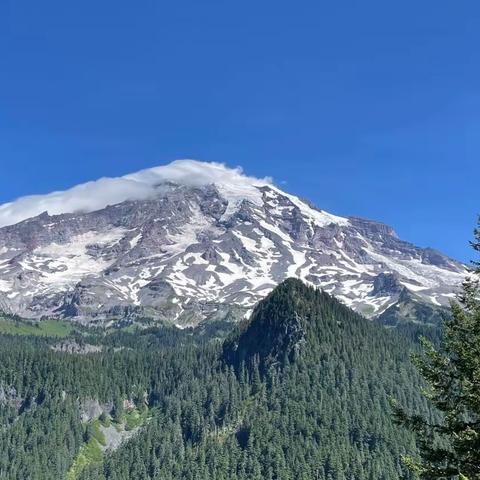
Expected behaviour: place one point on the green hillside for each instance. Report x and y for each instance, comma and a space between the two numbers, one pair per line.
299, 391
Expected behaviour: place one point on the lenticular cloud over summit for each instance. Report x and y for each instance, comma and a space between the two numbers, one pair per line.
141, 185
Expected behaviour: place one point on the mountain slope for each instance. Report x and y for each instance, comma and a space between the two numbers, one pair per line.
323, 415
276, 330
197, 239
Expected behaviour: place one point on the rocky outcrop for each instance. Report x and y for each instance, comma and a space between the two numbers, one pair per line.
191, 251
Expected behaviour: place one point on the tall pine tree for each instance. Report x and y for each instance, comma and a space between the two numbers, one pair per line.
450, 447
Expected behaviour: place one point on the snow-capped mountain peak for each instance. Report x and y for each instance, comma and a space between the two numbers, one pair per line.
188, 240
148, 183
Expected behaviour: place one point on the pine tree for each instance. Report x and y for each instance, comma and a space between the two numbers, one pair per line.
118, 409
450, 448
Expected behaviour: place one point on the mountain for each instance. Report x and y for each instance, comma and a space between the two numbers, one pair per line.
277, 328
299, 391
192, 241
323, 414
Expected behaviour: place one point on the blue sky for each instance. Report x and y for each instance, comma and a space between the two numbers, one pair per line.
367, 108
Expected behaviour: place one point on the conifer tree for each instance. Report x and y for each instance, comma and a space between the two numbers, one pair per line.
450, 448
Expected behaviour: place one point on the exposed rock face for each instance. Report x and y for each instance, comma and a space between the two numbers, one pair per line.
70, 346
114, 436
91, 409
386, 284
409, 308
9, 396
185, 253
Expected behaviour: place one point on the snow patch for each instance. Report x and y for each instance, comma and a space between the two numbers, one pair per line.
68, 263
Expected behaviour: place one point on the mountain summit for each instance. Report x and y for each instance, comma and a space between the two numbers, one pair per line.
189, 240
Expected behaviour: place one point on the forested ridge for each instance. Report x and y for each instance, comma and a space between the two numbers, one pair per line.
299, 391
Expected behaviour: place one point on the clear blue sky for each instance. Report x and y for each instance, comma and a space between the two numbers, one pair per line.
368, 108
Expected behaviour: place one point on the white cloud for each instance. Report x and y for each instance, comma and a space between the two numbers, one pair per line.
141, 185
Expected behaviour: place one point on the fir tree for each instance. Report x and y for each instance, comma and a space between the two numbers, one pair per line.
450, 448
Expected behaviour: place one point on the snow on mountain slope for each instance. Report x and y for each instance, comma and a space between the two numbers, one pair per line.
148, 183
189, 240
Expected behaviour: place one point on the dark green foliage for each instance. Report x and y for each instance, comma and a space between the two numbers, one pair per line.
40, 430
450, 448
476, 242
324, 414
276, 330
118, 409
42, 442
305, 397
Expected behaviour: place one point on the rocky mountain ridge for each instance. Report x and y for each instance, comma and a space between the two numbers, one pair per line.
189, 252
